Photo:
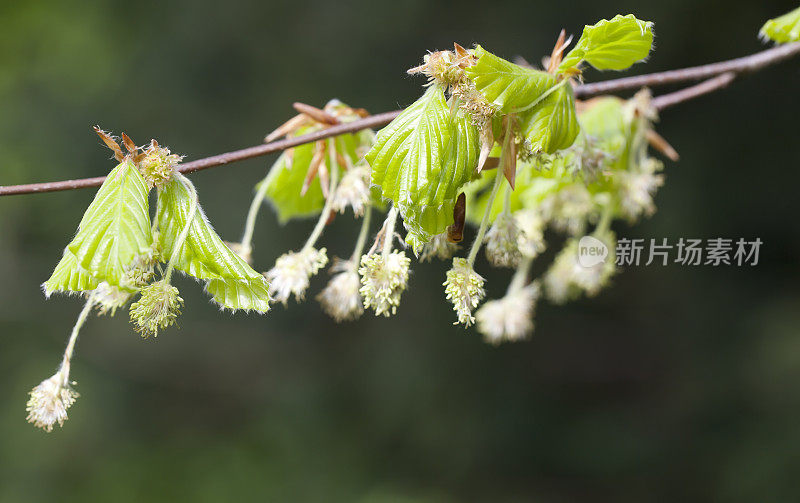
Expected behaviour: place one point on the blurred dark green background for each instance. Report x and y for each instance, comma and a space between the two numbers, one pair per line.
676, 384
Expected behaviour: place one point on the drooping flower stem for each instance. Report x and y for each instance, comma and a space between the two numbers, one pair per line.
326, 210
185, 231
87, 308
520, 278
507, 200
605, 219
50, 400
362, 235
498, 179
252, 213
388, 231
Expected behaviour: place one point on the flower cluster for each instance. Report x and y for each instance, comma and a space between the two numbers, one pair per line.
503, 242
292, 272
341, 299
439, 247
353, 191
439, 166
509, 319
158, 164
50, 400
383, 280
157, 308
567, 277
464, 289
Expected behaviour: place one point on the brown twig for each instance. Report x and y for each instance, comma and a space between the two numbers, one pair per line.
738, 66
689, 93
723, 73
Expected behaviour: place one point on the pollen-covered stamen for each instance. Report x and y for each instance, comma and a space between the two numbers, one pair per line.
383, 279
157, 308
531, 237
439, 247
445, 67
109, 298
50, 400
510, 318
636, 189
568, 208
464, 289
567, 277
158, 165
292, 273
341, 299
502, 242
353, 191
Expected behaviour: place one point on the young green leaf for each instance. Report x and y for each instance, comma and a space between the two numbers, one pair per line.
421, 160
285, 184
69, 277
783, 29
552, 124
230, 281
511, 87
614, 44
113, 231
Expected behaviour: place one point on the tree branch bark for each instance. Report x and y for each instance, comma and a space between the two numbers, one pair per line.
719, 74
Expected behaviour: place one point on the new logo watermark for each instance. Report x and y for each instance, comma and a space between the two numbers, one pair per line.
685, 251
591, 251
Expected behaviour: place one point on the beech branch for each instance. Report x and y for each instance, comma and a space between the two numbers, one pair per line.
719, 75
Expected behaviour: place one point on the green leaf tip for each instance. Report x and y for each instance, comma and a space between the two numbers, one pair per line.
783, 29
613, 44
284, 185
421, 160
552, 125
230, 281
288, 177
114, 230
510, 87
68, 276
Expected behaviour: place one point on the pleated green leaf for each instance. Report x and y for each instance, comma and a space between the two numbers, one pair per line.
113, 231
421, 160
285, 183
287, 176
552, 125
783, 29
614, 44
68, 276
229, 280
511, 87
